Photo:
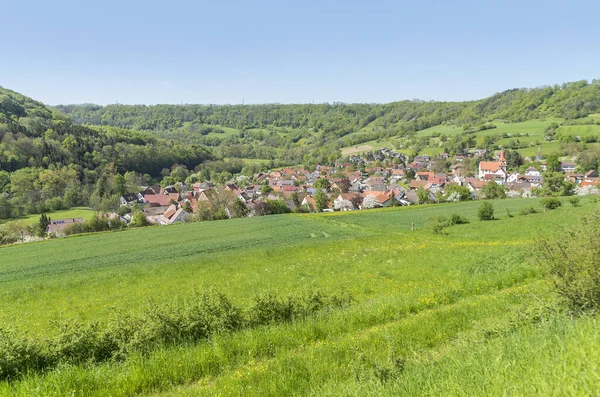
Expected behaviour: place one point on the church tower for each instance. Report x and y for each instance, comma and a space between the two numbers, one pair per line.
502, 161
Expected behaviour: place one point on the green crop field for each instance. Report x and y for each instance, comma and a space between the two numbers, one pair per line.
463, 313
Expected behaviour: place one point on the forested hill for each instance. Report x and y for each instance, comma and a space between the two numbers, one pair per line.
304, 133
34, 135
569, 101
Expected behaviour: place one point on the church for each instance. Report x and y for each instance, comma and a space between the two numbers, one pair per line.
494, 170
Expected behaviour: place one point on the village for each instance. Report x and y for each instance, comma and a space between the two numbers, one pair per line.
378, 179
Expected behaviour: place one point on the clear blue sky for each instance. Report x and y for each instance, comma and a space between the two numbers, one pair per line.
288, 51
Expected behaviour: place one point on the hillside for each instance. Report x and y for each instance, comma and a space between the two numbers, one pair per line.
463, 313
297, 133
34, 135
48, 163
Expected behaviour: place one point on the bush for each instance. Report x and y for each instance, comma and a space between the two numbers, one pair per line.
573, 261
528, 210
551, 203
485, 211
575, 201
437, 224
456, 219
188, 321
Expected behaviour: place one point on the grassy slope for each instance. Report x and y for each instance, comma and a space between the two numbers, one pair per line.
451, 309
531, 131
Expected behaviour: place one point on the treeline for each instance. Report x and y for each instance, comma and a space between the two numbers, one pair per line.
569, 101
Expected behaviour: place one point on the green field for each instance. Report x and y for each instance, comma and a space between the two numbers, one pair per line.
463, 313
63, 214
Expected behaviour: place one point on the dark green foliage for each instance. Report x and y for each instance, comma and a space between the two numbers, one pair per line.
551, 203
457, 219
437, 223
528, 210
43, 225
187, 321
277, 207
139, 220
573, 261
575, 201
94, 225
555, 184
322, 183
321, 200
485, 211
493, 191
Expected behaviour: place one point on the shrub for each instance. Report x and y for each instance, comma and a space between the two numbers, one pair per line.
456, 219
575, 201
437, 224
485, 211
139, 220
573, 262
551, 203
528, 210
160, 324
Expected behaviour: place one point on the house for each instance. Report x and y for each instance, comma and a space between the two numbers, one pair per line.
157, 200
57, 227
567, 166
495, 168
131, 198
474, 184
459, 169
425, 176
532, 171
591, 174
417, 184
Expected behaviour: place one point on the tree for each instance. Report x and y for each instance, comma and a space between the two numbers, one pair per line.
554, 184
19, 229
4, 182
240, 210
423, 195
457, 193
369, 202
493, 191
552, 163
139, 220
322, 183
485, 211
265, 190
321, 200
119, 184
43, 225
513, 159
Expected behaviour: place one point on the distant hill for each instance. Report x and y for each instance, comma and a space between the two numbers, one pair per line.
290, 132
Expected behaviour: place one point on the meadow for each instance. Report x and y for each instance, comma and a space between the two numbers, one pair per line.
463, 313
81, 212
530, 132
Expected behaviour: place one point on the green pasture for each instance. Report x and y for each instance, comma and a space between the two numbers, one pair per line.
84, 213
463, 313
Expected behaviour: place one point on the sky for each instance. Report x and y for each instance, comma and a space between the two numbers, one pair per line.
229, 52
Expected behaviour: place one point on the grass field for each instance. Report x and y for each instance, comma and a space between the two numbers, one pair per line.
366, 147
64, 214
454, 314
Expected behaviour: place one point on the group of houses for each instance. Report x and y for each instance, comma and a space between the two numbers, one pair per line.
348, 187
